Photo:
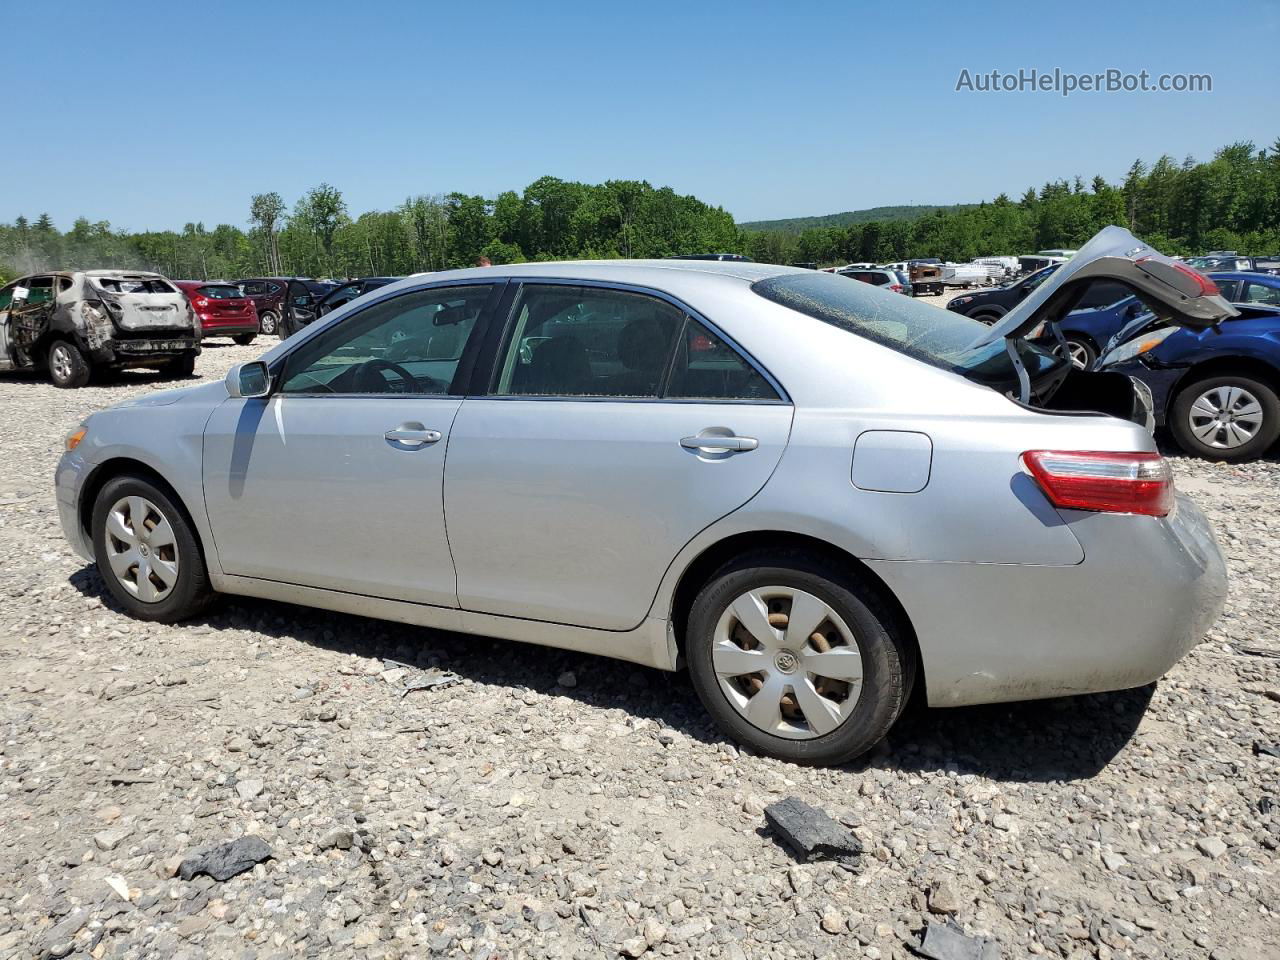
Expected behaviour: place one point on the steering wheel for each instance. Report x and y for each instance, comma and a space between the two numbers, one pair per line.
369, 373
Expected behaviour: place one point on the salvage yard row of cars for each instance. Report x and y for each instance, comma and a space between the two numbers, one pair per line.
71, 323
816, 495
1217, 391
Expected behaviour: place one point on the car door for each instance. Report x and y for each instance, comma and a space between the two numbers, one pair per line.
336, 479
7, 359
30, 312
615, 427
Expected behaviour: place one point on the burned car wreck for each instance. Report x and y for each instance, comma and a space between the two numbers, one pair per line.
71, 324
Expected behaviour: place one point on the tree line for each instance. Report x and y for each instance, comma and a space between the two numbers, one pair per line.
551, 219
1229, 202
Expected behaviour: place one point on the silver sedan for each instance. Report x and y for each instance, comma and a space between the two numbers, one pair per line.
814, 494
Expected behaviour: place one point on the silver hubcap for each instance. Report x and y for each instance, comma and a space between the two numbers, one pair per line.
1225, 417
268, 323
142, 551
787, 662
60, 360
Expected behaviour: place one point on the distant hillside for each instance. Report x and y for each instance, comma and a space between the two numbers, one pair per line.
795, 225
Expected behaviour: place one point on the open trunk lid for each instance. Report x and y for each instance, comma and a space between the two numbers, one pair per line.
1182, 296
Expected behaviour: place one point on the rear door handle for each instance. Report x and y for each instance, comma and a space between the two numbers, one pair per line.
709, 441
412, 435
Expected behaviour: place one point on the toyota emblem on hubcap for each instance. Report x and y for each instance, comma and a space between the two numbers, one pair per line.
786, 661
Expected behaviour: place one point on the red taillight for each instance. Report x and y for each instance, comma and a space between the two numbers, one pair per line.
201, 303
1103, 481
895, 287
1204, 287
1207, 287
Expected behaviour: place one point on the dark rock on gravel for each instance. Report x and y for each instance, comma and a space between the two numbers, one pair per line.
226, 860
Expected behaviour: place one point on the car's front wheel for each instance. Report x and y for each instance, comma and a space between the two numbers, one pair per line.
147, 551
795, 660
1228, 417
267, 323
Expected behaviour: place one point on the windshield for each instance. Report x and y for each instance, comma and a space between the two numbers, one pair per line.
940, 338
220, 291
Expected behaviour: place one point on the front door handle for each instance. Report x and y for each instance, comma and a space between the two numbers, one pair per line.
719, 444
413, 435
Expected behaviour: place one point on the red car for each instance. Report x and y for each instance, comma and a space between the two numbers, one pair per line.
223, 311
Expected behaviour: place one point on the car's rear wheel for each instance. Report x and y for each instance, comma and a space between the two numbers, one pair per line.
147, 551
267, 322
1227, 417
795, 660
68, 369
243, 339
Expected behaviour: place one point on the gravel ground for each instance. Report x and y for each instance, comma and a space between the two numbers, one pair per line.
557, 805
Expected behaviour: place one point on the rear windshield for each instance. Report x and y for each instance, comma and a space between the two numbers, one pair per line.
220, 291
923, 332
134, 285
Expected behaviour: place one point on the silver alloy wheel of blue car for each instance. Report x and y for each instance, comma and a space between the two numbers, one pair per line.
1225, 417
142, 550
787, 662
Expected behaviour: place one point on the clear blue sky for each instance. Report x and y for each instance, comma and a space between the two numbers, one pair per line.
150, 115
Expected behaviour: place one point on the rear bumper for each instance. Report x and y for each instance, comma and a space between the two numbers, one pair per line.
1146, 592
228, 328
145, 350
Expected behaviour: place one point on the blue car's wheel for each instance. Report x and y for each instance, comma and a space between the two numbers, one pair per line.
1226, 417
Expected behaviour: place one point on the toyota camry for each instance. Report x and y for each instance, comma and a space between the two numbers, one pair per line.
813, 494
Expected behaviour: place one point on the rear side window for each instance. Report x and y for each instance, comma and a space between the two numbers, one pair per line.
706, 368
588, 342
219, 291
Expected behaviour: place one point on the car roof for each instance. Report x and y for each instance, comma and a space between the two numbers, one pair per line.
628, 271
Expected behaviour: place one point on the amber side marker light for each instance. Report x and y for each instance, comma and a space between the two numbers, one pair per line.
73, 440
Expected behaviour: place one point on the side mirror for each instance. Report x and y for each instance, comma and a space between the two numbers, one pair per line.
247, 380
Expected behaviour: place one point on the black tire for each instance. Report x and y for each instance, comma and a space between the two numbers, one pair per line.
243, 339
68, 369
191, 593
267, 322
1264, 436
888, 664
180, 367
984, 316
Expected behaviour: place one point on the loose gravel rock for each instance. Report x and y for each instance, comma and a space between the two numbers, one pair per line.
557, 805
